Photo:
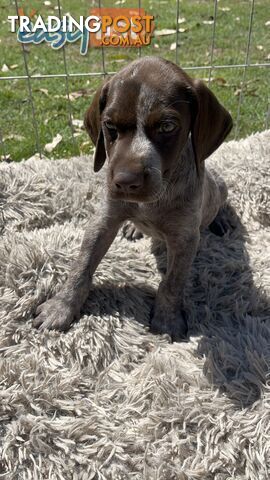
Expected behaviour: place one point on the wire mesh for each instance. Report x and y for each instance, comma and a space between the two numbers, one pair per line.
67, 86
267, 117
102, 50
177, 32
2, 143
213, 43
31, 98
67, 76
102, 73
241, 96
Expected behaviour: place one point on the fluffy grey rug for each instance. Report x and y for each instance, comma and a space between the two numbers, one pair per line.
108, 399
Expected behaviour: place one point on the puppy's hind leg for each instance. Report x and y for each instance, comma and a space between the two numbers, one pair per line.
224, 222
215, 199
219, 226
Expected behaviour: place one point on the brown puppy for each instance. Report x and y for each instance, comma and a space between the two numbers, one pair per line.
155, 126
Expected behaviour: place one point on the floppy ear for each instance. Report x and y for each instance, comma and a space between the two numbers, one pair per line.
93, 126
211, 122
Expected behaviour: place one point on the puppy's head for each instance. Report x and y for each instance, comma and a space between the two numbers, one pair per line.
140, 121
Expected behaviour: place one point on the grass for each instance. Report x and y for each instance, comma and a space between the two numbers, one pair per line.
52, 108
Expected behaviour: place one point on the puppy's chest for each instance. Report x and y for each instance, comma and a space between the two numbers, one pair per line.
154, 223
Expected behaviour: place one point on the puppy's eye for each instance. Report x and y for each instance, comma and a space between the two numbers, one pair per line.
167, 127
110, 125
112, 129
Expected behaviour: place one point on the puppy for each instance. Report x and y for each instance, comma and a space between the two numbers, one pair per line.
154, 126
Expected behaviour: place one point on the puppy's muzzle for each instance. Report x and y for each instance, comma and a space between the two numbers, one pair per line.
128, 182
133, 185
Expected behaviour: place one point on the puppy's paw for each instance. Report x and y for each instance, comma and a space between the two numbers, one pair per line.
54, 314
130, 232
167, 321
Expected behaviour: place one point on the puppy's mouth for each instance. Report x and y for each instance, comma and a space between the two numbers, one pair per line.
146, 187
143, 197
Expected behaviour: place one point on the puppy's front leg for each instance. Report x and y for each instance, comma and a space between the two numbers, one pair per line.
167, 316
58, 312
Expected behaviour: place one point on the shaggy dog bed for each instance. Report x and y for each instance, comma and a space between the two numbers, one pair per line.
108, 399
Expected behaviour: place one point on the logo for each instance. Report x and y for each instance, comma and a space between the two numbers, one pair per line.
122, 27
104, 27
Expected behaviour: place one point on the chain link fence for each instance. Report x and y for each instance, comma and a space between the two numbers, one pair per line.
174, 46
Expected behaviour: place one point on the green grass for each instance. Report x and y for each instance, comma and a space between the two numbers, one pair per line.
51, 106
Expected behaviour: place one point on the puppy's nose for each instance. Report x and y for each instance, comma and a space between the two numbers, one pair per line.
128, 181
